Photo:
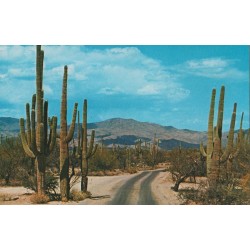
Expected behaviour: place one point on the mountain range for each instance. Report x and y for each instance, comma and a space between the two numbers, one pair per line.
127, 131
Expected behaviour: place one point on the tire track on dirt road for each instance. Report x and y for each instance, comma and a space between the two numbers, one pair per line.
146, 196
128, 190
123, 193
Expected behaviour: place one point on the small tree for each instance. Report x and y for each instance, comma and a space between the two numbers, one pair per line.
184, 164
12, 159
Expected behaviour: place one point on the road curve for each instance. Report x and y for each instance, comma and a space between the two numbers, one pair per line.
145, 195
123, 194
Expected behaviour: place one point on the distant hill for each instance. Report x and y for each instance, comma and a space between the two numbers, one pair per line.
9, 126
127, 131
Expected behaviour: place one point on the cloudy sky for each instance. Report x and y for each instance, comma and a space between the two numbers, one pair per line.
168, 85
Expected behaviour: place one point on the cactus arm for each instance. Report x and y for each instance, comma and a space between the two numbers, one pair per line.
220, 112
24, 141
50, 122
79, 139
39, 63
33, 125
94, 150
202, 150
91, 145
84, 131
240, 139
28, 124
210, 124
42, 147
72, 126
53, 134
230, 139
45, 124
240, 134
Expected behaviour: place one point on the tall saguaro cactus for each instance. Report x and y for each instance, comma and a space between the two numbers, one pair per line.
87, 150
36, 142
65, 138
215, 156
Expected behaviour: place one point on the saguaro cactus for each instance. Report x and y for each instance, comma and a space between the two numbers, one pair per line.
128, 157
36, 143
65, 138
87, 150
138, 149
215, 156
154, 147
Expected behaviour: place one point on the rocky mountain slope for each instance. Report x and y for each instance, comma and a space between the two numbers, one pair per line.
127, 131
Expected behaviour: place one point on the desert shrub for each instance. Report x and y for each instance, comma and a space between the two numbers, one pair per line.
224, 193
131, 170
148, 160
78, 195
39, 199
51, 183
12, 160
184, 163
5, 197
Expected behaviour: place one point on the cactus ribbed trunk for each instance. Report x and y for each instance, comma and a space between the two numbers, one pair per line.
65, 138
87, 151
84, 180
40, 168
210, 134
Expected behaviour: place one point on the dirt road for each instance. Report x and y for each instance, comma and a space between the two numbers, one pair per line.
143, 188
137, 190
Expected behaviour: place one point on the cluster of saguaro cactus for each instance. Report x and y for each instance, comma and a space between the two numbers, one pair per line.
215, 156
65, 138
36, 142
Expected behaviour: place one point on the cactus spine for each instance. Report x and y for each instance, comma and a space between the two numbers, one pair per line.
65, 138
35, 142
214, 155
87, 151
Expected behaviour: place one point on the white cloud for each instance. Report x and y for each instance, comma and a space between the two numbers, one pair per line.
208, 63
91, 71
149, 90
215, 68
47, 89
176, 94
109, 91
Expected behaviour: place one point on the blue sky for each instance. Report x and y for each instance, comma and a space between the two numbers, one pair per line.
168, 85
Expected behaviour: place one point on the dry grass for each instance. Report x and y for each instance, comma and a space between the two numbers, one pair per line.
131, 171
79, 196
5, 197
39, 199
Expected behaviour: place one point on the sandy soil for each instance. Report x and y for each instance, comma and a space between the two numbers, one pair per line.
103, 190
